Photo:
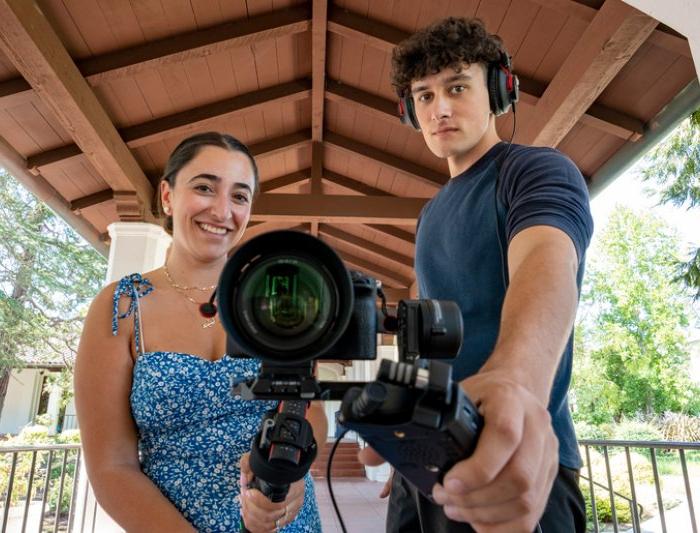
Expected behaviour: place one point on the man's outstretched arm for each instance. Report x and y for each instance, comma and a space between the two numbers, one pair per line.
504, 485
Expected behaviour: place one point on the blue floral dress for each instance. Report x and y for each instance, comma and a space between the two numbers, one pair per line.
192, 432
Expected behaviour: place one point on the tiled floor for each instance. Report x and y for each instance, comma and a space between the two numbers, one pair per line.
360, 506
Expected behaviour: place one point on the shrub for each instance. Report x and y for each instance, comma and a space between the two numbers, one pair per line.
637, 430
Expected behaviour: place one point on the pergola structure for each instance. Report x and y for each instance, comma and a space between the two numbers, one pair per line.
95, 94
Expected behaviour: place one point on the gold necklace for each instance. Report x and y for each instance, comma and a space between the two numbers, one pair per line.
209, 322
182, 287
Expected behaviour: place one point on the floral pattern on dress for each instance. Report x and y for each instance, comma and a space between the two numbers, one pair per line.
192, 431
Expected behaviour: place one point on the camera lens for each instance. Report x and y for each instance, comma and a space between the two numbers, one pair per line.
284, 297
287, 302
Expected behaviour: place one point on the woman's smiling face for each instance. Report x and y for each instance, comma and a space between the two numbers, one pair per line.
210, 202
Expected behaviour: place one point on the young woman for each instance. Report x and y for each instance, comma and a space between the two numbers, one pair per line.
164, 441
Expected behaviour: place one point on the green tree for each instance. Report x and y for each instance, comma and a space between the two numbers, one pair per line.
674, 165
48, 274
632, 349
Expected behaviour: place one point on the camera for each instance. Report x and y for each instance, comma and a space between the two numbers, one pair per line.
286, 298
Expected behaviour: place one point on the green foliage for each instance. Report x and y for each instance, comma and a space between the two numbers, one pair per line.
674, 165
48, 274
38, 435
632, 355
636, 430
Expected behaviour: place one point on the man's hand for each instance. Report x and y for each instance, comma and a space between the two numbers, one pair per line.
260, 515
504, 486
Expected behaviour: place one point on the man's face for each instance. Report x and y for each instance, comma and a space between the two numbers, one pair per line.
453, 110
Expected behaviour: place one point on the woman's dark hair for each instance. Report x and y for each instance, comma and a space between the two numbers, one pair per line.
189, 148
446, 43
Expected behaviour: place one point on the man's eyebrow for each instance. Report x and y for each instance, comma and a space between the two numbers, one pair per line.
217, 179
461, 76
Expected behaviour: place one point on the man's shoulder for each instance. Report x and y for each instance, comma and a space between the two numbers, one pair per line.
524, 155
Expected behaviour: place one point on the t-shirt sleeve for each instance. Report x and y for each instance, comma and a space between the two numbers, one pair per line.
543, 187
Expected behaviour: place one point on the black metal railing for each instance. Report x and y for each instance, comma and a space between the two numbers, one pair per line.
38, 486
614, 489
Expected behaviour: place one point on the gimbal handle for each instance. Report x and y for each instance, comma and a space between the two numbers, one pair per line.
282, 451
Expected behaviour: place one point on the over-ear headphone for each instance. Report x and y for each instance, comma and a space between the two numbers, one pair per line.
502, 85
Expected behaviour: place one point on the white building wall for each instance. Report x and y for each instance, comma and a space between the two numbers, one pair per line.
21, 400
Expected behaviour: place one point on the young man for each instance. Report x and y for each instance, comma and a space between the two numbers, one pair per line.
506, 239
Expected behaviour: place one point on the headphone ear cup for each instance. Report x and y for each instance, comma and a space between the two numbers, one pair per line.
499, 96
407, 113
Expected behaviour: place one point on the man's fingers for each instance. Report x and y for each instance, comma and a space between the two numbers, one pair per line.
499, 439
369, 457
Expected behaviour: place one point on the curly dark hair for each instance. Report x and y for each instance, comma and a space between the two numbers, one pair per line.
446, 43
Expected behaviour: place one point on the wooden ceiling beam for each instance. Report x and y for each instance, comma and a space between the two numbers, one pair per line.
274, 146
662, 36
283, 181
387, 276
352, 184
91, 200
337, 209
365, 245
597, 115
175, 49
319, 23
29, 41
610, 40
180, 124
424, 174
397, 233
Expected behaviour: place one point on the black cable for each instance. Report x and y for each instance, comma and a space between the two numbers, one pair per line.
328, 480
504, 278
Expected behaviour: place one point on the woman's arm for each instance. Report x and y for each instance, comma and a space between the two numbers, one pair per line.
103, 377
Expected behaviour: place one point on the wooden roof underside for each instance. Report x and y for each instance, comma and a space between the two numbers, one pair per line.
94, 96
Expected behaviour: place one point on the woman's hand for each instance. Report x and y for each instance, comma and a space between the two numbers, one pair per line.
260, 515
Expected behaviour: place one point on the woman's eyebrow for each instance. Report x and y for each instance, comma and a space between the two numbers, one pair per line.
217, 179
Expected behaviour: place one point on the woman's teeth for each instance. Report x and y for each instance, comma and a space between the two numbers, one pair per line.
213, 229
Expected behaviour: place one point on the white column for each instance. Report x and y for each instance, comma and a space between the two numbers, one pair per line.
135, 247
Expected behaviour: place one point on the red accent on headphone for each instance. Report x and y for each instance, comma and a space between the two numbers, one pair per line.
402, 111
509, 78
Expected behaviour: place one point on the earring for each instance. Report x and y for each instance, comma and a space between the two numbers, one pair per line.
167, 210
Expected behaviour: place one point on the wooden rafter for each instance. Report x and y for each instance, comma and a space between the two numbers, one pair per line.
28, 39
365, 245
280, 144
353, 185
662, 36
175, 49
610, 40
292, 178
397, 233
179, 124
388, 277
424, 174
319, 23
337, 209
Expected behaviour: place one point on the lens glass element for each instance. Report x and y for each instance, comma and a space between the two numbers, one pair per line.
287, 302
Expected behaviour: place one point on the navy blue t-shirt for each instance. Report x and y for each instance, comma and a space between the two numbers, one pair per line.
458, 255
